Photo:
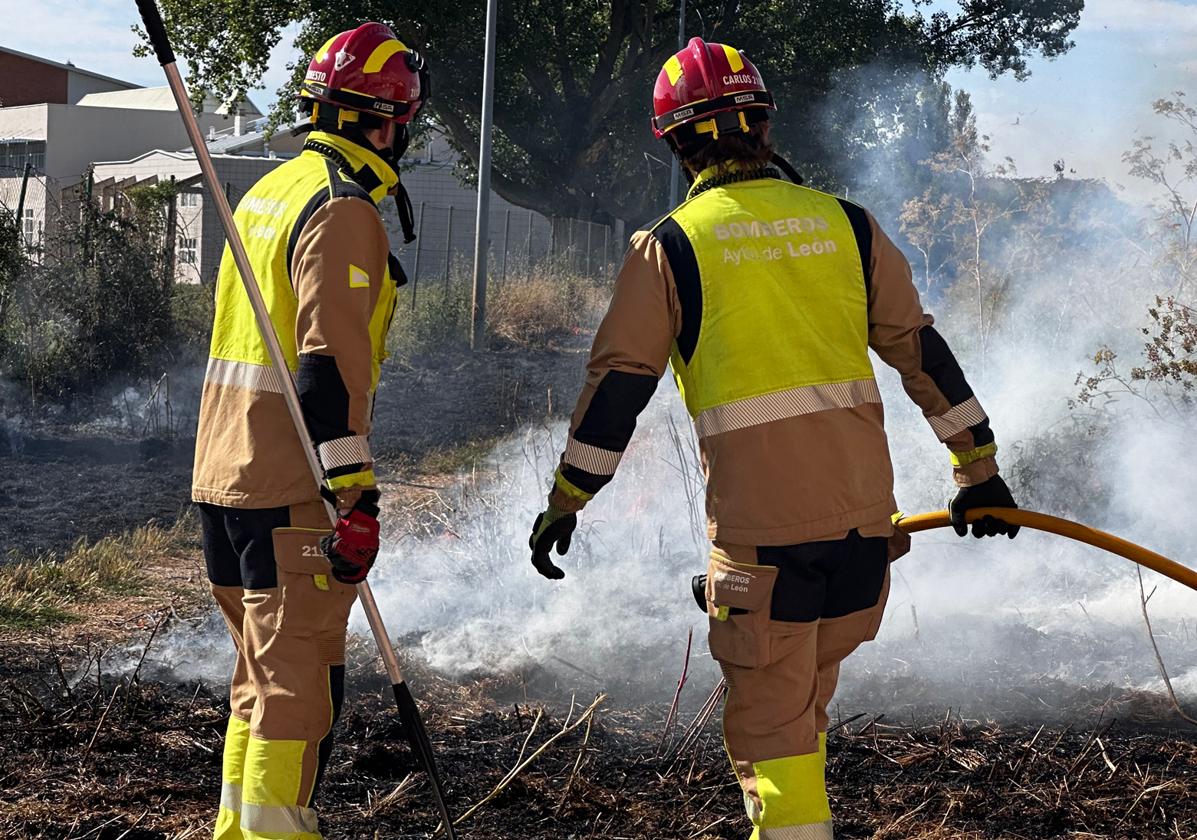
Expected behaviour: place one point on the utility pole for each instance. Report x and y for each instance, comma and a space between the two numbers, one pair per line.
675, 168
482, 226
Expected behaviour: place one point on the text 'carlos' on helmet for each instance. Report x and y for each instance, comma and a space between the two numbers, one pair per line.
368, 70
704, 81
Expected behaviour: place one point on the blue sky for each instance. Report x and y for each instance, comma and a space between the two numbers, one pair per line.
1085, 107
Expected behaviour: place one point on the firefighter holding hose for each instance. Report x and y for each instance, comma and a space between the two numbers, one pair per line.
765, 297
320, 253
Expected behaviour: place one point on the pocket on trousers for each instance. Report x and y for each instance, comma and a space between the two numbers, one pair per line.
313, 604
739, 597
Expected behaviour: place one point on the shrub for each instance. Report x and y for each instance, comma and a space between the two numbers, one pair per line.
535, 310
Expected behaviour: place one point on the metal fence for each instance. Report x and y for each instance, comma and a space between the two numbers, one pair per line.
521, 243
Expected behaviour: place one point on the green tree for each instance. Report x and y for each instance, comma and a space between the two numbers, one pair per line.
574, 79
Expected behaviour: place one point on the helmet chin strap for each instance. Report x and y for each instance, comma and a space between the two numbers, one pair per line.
365, 176
393, 156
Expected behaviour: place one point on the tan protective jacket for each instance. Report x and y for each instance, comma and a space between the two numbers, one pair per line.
320, 252
783, 464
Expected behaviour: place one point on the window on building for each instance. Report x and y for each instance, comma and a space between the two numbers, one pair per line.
14, 154
187, 250
30, 229
189, 199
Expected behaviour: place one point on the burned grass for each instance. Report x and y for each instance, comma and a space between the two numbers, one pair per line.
90, 754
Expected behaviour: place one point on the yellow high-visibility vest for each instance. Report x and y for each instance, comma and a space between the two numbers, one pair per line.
270, 218
770, 277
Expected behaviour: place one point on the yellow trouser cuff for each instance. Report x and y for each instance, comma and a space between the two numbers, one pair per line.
228, 825
236, 740
270, 807
792, 790
963, 459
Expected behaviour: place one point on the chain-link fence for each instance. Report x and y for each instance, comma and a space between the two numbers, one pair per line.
521, 243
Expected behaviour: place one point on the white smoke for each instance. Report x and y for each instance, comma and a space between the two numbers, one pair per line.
986, 626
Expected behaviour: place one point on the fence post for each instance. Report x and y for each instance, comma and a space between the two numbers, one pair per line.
606, 249
552, 237
506, 228
415, 274
20, 220
531, 219
448, 245
570, 250
589, 231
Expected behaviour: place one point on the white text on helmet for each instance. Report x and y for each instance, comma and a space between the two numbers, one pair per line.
742, 79
317, 76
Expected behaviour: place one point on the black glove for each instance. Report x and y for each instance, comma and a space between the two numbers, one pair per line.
990, 493
553, 527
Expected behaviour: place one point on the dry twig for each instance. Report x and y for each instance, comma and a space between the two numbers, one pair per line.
1143, 599
520, 766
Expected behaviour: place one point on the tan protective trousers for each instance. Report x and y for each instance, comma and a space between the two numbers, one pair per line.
287, 616
782, 619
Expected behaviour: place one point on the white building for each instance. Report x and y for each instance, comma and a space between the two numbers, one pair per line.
58, 142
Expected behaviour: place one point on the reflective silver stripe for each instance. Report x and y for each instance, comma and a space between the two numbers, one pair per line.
592, 459
766, 408
243, 375
957, 418
266, 819
344, 452
230, 797
810, 831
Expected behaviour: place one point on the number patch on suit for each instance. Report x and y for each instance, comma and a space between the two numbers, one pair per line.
312, 551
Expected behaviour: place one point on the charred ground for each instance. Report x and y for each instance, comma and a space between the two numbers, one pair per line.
99, 747
93, 755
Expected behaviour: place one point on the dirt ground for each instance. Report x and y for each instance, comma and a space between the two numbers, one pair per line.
58, 484
90, 755
98, 747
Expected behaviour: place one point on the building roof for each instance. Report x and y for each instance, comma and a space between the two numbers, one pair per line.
68, 66
158, 99
185, 156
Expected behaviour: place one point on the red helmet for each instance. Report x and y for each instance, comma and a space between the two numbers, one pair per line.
370, 70
703, 80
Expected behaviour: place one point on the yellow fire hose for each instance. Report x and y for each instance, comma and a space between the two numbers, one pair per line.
1064, 528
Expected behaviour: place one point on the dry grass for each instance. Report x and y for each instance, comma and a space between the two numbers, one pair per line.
539, 309
547, 305
42, 591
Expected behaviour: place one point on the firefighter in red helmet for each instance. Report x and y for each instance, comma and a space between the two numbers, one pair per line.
283, 581
765, 298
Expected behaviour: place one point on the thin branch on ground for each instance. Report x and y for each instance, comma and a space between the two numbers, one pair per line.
1143, 599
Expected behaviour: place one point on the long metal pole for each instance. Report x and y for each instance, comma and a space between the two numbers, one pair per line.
675, 168
407, 709
482, 227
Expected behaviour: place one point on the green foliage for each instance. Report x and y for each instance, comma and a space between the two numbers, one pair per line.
97, 303
12, 262
574, 77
